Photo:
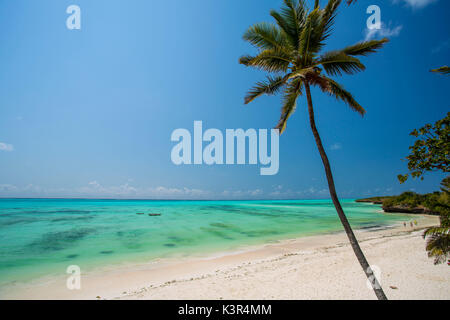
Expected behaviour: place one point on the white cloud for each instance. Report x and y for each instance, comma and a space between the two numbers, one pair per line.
256, 192
174, 192
336, 146
94, 189
312, 193
241, 194
415, 4
384, 31
125, 190
7, 188
443, 46
6, 147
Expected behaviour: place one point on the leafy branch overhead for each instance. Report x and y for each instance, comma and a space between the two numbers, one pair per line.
431, 152
443, 70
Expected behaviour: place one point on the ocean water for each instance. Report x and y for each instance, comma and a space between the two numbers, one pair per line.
40, 237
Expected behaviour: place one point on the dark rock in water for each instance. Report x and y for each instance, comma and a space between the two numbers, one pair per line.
106, 252
71, 256
154, 214
169, 245
139, 213
54, 241
369, 201
71, 218
406, 209
397, 204
175, 239
219, 225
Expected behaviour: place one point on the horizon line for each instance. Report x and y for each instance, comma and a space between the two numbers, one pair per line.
144, 199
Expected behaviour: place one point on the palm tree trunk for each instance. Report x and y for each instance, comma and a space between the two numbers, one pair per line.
348, 229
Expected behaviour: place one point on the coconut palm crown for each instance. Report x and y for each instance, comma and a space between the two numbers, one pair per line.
291, 51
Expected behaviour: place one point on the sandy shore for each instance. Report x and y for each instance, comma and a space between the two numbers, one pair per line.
317, 267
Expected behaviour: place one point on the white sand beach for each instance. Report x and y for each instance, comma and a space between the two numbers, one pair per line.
316, 267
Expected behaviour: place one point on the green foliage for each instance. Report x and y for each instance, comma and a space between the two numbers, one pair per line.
431, 152
436, 202
291, 49
406, 199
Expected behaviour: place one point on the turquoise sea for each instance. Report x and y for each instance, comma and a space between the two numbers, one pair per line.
41, 237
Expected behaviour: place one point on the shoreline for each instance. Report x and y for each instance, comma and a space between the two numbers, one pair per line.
211, 276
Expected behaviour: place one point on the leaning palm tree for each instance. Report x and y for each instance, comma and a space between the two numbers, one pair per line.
290, 51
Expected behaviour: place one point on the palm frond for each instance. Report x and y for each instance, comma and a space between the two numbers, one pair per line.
271, 86
436, 231
289, 103
301, 12
290, 19
365, 47
438, 242
328, 17
337, 62
310, 37
337, 91
287, 29
271, 60
438, 247
266, 36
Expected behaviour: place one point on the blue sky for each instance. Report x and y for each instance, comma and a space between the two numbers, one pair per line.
89, 113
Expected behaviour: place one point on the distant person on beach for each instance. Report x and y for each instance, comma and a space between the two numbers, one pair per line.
404, 224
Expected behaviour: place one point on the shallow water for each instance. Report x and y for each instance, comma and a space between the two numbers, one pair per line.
44, 236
